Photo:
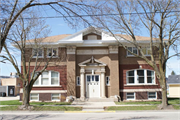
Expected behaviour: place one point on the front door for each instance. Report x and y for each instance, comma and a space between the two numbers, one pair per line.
92, 86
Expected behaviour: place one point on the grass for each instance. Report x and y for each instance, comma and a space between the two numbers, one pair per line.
9, 108
43, 108
11, 102
138, 102
16, 102
177, 107
153, 107
171, 101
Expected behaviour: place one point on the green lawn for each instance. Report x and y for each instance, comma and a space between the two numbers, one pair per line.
16, 102
9, 108
43, 108
177, 107
153, 107
171, 101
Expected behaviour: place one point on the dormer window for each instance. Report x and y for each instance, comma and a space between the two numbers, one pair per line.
92, 37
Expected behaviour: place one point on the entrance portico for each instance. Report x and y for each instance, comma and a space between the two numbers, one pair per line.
92, 75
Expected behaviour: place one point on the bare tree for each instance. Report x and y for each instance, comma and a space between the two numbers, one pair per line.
70, 10
23, 30
160, 19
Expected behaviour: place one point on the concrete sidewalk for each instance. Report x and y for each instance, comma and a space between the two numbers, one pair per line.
10, 98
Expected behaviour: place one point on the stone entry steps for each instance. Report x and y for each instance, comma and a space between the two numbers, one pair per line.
96, 100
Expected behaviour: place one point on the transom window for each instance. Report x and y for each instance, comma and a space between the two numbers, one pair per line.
52, 52
133, 50
37, 52
146, 51
140, 76
47, 78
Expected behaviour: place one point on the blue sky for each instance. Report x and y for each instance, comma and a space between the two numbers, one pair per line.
58, 26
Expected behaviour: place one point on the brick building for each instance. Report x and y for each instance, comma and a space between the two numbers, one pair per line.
96, 66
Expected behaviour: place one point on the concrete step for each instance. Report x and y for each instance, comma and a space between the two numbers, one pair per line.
100, 100
95, 100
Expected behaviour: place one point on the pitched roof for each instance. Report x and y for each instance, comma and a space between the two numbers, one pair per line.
139, 38
173, 79
51, 39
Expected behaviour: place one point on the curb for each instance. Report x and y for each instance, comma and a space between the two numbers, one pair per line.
89, 111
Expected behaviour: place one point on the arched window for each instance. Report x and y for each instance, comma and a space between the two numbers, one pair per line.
140, 76
47, 78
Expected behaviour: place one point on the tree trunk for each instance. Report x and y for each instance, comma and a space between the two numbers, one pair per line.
26, 94
164, 95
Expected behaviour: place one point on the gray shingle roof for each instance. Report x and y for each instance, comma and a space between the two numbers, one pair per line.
173, 79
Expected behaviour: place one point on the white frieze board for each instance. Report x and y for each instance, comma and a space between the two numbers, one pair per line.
92, 52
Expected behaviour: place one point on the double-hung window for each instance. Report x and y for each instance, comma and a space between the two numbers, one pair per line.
133, 50
146, 51
52, 52
140, 76
47, 78
130, 77
107, 81
37, 52
78, 81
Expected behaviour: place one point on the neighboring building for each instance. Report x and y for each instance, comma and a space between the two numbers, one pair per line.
11, 82
96, 67
173, 83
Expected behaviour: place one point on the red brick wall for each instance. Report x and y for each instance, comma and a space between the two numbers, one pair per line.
140, 95
47, 96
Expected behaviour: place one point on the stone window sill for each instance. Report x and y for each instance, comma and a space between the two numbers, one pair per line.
138, 84
48, 86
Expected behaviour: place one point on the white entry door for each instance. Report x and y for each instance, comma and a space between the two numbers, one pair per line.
92, 86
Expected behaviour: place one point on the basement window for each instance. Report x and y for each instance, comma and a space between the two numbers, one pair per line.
34, 97
152, 95
55, 97
130, 96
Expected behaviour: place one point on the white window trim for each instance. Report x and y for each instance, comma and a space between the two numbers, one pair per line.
135, 78
134, 96
132, 51
152, 98
77, 81
38, 55
59, 97
34, 100
39, 85
106, 81
52, 51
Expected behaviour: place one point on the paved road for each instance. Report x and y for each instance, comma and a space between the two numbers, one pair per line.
127, 115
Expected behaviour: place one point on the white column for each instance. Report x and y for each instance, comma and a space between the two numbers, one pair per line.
82, 71
103, 83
